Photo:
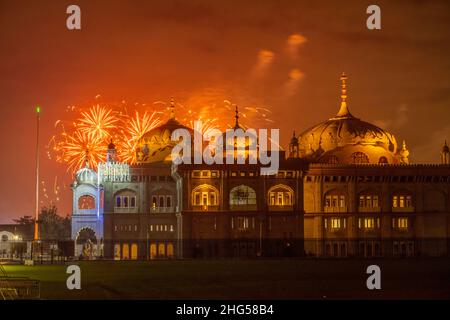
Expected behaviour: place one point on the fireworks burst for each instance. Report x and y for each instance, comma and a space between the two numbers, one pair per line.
97, 122
87, 138
80, 148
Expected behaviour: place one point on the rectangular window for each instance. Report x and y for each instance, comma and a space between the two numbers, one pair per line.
395, 201
133, 202
212, 199
204, 198
169, 201
161, 201
335, 223
197, 198
375, 201
118, 201
125, 201
243, 223
369, 223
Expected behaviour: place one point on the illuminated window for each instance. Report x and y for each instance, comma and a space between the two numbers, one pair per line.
205, 196
125, 252
134, 251
281, 195
86, 202
368, 223
335, 201
368, 201
242, 196
402, 201
161, 250
335, 223
360, 157
400, 223
154, 202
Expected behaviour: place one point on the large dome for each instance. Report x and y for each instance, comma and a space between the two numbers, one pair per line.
347, 139
156, 145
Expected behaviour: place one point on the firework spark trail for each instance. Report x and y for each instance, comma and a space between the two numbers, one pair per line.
97, 122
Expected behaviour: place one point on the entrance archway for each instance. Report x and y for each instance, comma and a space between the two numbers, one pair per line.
86, 244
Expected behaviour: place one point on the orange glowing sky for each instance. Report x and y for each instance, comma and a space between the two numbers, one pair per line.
285, 56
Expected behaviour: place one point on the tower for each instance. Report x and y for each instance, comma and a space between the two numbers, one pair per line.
445, 154
293, 147
87, 213
404, 154
111, 154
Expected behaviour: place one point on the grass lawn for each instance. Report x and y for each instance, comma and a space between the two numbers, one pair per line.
244, 279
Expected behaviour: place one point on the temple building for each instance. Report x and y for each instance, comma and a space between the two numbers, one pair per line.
344, 188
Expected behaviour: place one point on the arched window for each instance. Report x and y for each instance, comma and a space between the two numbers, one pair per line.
154, 202
161, 250
117, 251
402, 200
281, 195
170, 250
335, 201
359, 157
126, 200
383, 160
242, 196
86, 202
368, 201
125, 251
134, 251
205, 195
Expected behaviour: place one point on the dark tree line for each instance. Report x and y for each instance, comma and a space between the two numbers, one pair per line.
51, 225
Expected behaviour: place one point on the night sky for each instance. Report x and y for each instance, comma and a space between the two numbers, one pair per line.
145, 51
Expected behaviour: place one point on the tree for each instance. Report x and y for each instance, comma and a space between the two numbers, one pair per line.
25, 220
52, 226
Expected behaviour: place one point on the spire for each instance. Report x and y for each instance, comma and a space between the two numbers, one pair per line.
172, 108
236, 116
86, 158
404, 154
343, 111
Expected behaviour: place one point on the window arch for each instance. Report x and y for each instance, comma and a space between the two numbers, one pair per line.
242, 196
125, 198
402, 200
281, 195
359, 157
205, 195
86, 202
368, 200
383, 160
335, 201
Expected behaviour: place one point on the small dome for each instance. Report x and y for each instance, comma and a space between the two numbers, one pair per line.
86, 175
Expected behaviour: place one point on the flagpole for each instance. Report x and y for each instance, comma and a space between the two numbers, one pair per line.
36, 217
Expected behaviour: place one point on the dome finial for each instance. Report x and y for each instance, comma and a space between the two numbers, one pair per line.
236, 116
343, 111
86, 158
172, 108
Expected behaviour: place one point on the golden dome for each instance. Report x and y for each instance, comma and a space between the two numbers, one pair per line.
347, 139
156, 145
